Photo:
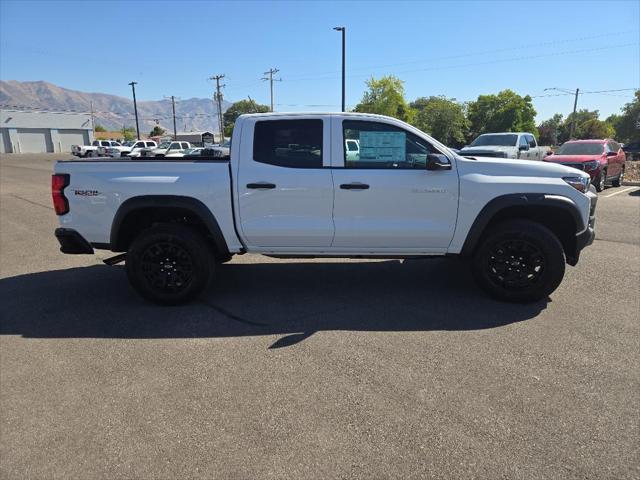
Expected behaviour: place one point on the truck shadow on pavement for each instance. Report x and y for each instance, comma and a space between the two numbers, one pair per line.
281, 298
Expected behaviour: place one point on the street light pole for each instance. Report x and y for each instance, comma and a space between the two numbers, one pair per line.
135, 107
343, 30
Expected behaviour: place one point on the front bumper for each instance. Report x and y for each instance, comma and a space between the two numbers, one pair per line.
586, 237
72, 242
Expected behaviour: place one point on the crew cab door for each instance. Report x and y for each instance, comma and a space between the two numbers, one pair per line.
385, 199
534, 152
284, 186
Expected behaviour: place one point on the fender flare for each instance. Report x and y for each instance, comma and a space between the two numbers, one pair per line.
527, 200
172, 201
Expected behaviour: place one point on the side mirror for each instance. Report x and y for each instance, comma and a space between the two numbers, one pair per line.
612, 154
550, 152
437, 161
523, 148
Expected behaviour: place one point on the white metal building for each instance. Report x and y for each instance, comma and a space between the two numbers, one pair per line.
32, 131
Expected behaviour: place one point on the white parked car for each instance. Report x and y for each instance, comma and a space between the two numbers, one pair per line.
113, 149
189, 152
90, 150
521, 145
165, 148
288, 190
133, 148
219, 151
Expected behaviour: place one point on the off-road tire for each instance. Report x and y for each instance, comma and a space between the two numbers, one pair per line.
519, 261
169, 264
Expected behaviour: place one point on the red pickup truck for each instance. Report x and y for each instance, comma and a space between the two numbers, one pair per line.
603, 160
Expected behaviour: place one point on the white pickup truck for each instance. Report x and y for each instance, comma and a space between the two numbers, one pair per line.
522, 145
91, 150
290, 190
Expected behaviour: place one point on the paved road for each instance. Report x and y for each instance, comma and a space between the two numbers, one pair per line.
313, 369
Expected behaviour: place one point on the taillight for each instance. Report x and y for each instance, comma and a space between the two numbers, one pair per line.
58, 182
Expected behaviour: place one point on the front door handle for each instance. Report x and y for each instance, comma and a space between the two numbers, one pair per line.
354, 186
264, 185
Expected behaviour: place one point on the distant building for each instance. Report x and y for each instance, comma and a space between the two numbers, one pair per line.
33, 131
198, 139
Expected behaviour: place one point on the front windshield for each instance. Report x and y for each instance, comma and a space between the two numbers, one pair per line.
495, 140
580, 149
165, 145
128, 144
226, 144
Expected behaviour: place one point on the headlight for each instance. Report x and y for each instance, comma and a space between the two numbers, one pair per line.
591, 165
579, 183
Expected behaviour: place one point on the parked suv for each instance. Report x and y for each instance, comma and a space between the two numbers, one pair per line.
603, 160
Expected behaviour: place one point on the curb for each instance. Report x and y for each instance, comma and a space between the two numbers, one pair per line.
631, 184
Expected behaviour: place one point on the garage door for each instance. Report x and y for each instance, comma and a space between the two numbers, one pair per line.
34, 140
72, 137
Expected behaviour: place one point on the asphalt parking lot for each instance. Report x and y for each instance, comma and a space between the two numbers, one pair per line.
313, 369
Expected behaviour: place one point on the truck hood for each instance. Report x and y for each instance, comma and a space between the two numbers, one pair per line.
488, 148
519, 168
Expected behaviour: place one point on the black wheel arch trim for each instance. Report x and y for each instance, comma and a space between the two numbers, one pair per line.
168, 201
529, 200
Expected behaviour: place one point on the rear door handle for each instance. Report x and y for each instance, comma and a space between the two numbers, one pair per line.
264, 185
354, 186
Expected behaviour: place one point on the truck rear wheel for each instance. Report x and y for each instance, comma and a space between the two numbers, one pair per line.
169, 264
519, 261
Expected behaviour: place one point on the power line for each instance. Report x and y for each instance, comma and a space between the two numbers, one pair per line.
468, 54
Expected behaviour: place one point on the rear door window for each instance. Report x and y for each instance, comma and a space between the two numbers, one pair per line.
288, 143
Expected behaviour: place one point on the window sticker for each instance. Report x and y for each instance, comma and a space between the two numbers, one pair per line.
383, 146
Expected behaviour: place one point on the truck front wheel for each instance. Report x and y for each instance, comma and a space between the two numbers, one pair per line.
519, 261
169, 264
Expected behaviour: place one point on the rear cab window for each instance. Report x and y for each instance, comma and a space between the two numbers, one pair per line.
289, 143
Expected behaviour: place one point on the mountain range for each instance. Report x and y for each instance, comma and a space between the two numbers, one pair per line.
111, 111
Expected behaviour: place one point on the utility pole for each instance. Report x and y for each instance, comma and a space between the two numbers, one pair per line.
218, 98
173, 107
573, 120
135, 107
575, 105
344, 32
271, 80
93, 125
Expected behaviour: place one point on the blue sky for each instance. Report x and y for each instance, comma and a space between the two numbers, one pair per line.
457, 49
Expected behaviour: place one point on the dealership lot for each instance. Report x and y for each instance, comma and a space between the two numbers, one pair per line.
313, 369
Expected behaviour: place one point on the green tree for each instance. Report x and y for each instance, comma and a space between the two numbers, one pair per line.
386, 97
239, 108
549, 130
99, 128
627, 126
581, 116
505, 112
442, 118
594, 128
157, 131
129, 133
